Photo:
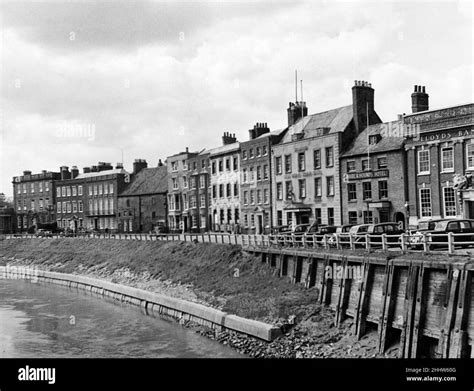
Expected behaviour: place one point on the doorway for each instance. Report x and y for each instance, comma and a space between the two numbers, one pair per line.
259, 224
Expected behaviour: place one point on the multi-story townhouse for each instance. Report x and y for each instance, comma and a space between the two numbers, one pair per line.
307, 178
70, 200
440, 160
256, 179
34, 198
101, 186
225, 185
142, 205
373, 177
197, 194
178, 203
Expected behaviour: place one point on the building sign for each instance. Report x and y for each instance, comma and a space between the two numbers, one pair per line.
365, 175
302, 174
445, 136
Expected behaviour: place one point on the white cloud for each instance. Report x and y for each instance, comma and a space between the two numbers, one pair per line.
154, 95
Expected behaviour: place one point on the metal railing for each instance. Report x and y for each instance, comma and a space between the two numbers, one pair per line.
430, 242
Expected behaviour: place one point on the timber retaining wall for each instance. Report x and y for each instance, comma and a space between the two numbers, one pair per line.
425, 306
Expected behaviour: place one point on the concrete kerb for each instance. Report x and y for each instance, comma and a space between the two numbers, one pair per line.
154, 301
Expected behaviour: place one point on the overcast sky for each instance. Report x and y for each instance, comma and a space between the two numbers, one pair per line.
81, 80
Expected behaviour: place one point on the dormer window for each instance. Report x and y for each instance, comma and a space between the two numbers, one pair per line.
374, 139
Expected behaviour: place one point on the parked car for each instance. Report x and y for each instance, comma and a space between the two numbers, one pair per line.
160, 229
439, 234
43, 233
358, 232
391, 229
343, 232
414, 238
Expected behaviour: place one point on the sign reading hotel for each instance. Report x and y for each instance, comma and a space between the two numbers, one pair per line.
364, 175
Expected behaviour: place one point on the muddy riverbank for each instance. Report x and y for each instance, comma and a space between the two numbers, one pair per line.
221, 276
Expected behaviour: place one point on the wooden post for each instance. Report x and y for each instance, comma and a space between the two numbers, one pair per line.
341, 302
361, 311
384, 242
426, 246
388, 302
351, 241
310, 273
403, 243
450, 243
458, 339
419, 312
449, 312
325, 284
406, 334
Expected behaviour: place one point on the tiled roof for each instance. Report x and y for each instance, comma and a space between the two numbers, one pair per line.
385, 143
224, 149
336, 120
148, 181
101, 173
272, 133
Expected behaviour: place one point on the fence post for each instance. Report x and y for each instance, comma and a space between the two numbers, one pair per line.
426, 247
367, 242
450, 243
403, 244
325, 242
384, 242
351, 241
338, 242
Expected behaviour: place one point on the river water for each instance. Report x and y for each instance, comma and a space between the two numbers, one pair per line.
50, 321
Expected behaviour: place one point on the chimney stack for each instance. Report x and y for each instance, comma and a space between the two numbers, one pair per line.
86, 170
65, 174
74, 172
26, 172
102, 166
160, 163
419, 99
228, 138
296, 111
138, 165
362, 99
258, 129
119, 166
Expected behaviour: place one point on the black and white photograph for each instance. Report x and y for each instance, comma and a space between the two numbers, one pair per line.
279, 189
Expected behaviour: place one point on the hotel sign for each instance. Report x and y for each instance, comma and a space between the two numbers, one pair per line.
364, 175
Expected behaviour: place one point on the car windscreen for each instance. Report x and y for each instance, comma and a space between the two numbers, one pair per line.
440, 225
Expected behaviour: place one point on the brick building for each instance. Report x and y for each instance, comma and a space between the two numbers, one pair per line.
7, 216
70, 200
373, 177
178, 214
225, 185
142, 204
101, 186
440, 160
307, 181
34, 198
196, 193
256, 178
